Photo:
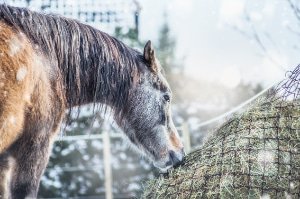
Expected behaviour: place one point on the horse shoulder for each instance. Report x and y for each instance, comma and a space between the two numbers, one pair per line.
26, 92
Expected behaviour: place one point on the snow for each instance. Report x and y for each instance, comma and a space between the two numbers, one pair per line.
133, 186
21, 74
265, 196
27, 97
2, 75
4, 93
12, 119
265, 158
292, 185
15, 46
226, 181
287, 196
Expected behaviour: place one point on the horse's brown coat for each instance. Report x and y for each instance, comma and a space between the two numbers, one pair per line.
13, 92
17, 95
27, 96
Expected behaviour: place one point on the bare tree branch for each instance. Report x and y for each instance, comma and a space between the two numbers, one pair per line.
295, 9
255, 36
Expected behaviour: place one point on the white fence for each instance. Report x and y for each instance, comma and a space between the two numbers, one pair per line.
105, 137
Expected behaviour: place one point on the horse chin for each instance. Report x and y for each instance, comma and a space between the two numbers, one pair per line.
163, 169
162, 166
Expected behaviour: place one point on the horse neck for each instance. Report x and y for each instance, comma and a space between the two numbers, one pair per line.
104, 74
93, 66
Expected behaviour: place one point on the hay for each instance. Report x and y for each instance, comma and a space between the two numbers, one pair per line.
256, 154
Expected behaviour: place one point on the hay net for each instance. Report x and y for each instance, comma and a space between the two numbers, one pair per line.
255, 154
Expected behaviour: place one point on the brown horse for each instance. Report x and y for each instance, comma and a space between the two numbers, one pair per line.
49, 64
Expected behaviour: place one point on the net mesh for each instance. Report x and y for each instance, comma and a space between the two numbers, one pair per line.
255, 154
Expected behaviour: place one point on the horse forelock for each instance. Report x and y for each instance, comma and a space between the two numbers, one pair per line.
91, 63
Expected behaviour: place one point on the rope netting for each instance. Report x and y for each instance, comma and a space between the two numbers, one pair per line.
255, 154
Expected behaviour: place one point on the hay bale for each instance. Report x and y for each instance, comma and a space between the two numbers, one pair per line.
255, 154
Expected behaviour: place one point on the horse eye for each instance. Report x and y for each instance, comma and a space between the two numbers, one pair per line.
167, 98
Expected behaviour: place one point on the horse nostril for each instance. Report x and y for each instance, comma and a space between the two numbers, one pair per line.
175, 160
169, 163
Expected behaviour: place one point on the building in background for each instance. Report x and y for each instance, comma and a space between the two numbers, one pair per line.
105, 15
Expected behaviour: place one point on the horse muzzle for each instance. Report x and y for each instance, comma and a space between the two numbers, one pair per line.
175, 158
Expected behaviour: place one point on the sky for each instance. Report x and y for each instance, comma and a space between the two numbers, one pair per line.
214, 51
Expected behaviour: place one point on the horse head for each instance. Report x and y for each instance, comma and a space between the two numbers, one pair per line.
147, 119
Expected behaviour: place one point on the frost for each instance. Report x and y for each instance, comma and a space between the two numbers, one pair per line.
27, 97
226, 182
12, 119
21, 74
287, 196
2, 75
265, 158
265, 196
292, 185
14, 46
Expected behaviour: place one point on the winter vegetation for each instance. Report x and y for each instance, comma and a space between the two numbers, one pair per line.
255, 154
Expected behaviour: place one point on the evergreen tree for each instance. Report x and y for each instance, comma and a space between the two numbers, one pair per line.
166, 49
130, 37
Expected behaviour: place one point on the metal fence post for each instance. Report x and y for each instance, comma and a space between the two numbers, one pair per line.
186, 137
107, 165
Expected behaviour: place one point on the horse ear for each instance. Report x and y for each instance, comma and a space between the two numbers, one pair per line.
149, 56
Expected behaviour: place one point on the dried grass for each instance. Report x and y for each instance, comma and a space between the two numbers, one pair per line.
256, 154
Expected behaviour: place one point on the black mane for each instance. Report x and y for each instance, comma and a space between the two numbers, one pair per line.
91, 63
